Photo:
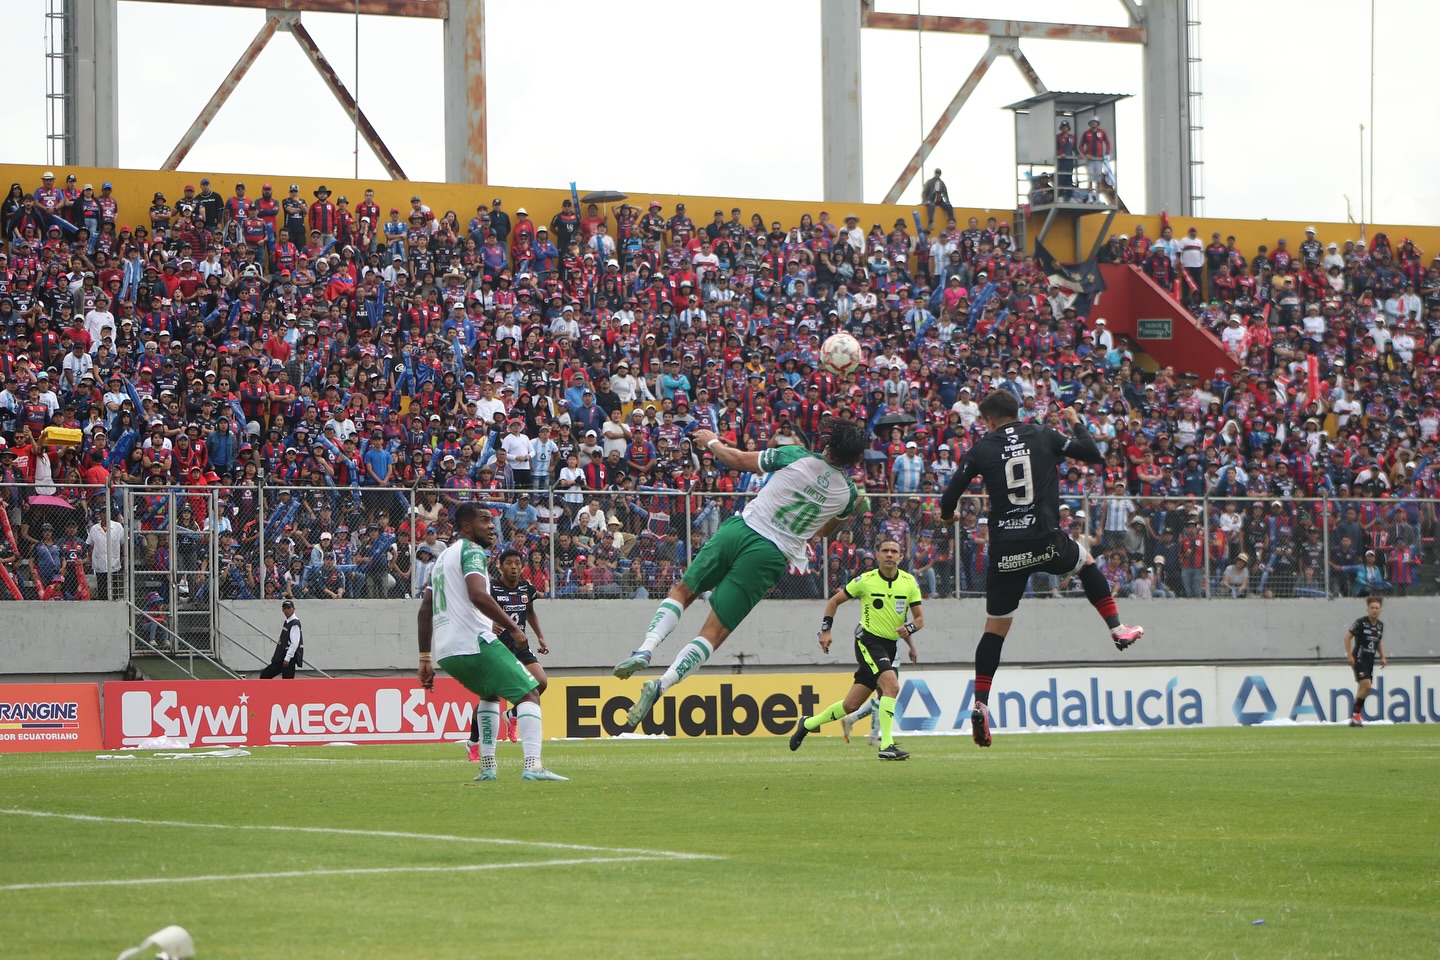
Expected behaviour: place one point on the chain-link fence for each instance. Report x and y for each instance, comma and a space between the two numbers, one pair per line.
317, 542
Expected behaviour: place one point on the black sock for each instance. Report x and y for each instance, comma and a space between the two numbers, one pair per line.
1097, 591
1360, 703
475, 724
987, 661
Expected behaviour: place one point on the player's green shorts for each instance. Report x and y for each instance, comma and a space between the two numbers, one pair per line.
739, 566
490, 674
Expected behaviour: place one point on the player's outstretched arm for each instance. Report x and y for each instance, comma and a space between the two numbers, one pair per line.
726, 454
1079, 444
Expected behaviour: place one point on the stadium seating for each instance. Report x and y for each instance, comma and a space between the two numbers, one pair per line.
315, 380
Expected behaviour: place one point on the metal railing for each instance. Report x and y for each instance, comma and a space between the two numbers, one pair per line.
314, 543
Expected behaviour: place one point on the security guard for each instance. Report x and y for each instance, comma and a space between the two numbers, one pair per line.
289, 649
887, 595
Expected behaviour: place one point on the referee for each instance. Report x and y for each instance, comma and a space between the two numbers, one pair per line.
289, 649
886, 595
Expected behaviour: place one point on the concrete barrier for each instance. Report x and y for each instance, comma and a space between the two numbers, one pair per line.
62, 639
592, 635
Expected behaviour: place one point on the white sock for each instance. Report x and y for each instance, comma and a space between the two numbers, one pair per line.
867, 708
487, 712
687, 661
527, 722
666, 619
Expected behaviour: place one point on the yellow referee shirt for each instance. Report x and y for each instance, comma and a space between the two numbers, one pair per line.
884, 604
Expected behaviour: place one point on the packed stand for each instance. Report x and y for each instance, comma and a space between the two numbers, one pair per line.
325, 380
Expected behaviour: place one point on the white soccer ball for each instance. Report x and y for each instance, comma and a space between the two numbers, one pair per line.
840, 354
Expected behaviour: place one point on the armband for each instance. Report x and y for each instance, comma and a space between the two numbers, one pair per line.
826, 623
711, 444
424, 656
911, 629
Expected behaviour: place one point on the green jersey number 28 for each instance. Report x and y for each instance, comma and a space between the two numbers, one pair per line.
437, 591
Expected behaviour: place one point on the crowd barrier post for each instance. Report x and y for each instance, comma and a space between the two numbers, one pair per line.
1325, 541
554, 531
689, 530
1205, 534
260, 571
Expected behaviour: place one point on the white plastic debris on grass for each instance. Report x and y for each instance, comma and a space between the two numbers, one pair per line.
116, 756
175, 943
340, 743
163, 743
224, 754
641, 736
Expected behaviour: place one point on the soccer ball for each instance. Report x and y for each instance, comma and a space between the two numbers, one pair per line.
840, 354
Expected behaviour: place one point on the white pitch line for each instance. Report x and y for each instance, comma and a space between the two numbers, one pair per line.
392, 834
294, 874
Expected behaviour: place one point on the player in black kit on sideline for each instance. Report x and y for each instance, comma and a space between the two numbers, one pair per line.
516, 596
1019, 463
1363, 643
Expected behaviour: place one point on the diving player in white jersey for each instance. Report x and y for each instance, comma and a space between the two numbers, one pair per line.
807, 494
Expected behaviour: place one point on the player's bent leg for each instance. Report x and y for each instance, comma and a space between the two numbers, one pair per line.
1097, 591
541, 681
838, 710
690, 658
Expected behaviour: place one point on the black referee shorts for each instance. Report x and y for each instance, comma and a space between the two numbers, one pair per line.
874, 655
1012, 564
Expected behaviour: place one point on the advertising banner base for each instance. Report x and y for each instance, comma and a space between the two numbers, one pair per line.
37, 717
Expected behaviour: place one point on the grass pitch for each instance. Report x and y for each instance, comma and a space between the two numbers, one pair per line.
1117, 845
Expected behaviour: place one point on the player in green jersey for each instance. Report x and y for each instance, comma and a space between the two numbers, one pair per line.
806, 495
456, 614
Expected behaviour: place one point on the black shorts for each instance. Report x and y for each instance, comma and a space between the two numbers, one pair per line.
874, 656
1011, 565
1364, 668
525, 655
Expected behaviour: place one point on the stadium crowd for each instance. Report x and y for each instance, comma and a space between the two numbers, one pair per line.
322, 377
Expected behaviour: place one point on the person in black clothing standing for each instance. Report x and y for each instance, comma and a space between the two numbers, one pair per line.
289, 649
1019, 463
1363, 643
935, 195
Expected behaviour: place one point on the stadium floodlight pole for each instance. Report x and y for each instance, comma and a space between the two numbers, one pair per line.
1362, 179
1372, 108
356, 115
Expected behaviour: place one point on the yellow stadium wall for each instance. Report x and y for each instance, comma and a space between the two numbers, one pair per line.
134, 188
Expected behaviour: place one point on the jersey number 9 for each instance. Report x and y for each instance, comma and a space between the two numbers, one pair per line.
1019, 481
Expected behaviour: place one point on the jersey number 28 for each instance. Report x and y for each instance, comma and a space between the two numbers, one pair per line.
1019, 481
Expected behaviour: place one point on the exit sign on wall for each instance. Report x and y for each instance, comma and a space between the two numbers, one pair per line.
1153, 329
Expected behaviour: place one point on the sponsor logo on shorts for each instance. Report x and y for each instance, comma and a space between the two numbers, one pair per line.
1024, 561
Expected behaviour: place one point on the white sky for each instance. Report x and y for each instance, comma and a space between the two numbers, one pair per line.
669, 96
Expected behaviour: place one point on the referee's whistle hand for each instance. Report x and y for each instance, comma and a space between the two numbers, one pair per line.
824, 636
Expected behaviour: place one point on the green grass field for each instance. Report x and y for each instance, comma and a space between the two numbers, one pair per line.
1145, 845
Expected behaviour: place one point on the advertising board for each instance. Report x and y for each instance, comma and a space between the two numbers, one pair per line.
37, 717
